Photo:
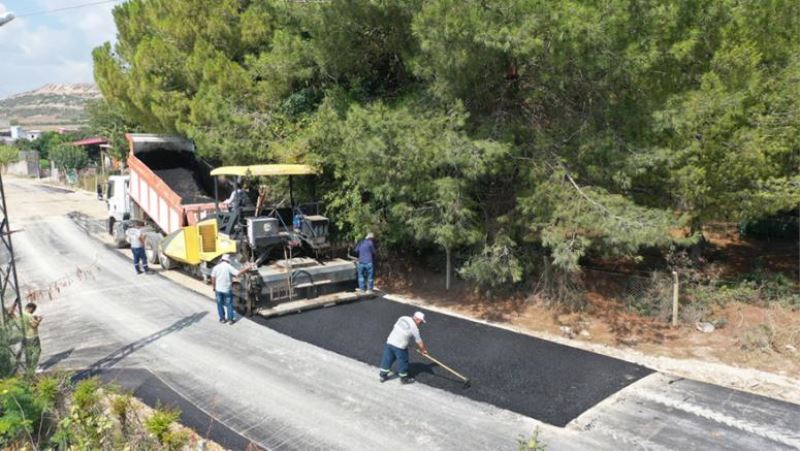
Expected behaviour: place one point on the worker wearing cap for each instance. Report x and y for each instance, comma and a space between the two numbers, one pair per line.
365, 250
396, 347
221, 280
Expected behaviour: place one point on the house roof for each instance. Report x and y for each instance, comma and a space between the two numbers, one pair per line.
90, 141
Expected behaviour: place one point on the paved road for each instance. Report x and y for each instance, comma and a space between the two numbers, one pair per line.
536, 378
282, 393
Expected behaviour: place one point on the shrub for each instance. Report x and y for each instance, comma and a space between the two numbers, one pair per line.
86, 426
121, 409
758, 338
176, 440
20, 411
532, 443
66, 156
161, 421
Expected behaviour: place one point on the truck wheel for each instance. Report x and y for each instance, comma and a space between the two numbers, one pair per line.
151, 244
118, 234
166, 262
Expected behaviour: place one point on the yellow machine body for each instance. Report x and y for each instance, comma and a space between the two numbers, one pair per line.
197, 243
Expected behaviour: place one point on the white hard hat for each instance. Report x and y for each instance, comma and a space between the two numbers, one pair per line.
226, 257
420, 316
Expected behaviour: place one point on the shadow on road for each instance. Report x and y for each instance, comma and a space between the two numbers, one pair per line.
113, 358
55, 358
417, 368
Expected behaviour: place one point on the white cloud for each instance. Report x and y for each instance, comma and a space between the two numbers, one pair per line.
57, 48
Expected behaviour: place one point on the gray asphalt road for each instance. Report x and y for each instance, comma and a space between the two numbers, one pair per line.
282, 393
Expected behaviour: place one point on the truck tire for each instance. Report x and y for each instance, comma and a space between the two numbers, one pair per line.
151, 245
166, 262
118, 234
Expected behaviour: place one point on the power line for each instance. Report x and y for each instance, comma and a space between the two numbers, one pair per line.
66, 8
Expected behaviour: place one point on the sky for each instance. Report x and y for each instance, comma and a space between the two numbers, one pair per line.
51, 48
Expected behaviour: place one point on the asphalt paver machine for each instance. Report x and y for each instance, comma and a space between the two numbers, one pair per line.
287, 242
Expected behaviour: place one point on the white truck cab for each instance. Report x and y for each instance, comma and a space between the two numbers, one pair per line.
119, 205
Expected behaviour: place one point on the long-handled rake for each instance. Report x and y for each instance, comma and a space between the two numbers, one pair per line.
466, 380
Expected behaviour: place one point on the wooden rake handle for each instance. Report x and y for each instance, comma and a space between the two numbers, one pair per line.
428, 356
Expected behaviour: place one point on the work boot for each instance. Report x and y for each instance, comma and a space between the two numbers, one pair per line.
407, 380
384, 377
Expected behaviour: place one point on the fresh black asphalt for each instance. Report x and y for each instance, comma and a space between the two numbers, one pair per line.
536, 378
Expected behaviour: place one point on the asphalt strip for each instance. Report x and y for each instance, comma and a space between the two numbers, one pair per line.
543, 380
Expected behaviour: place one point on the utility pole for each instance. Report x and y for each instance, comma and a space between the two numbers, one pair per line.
9, 284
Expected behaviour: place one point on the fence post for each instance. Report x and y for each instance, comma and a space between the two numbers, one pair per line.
674, 298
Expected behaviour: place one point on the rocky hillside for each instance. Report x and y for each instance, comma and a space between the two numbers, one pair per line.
50, 105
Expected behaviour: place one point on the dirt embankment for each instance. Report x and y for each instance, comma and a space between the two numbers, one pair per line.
755, 348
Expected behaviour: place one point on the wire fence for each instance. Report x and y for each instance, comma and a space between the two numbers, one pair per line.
648, 295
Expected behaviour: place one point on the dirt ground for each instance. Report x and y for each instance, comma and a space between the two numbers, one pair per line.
756, 350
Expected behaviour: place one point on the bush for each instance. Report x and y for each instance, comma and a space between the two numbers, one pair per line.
121, 409
781, 227
759, 338
532, 443
8, 155
496, 266
21, 411
66, 156
160, 422
650, 296
758, 288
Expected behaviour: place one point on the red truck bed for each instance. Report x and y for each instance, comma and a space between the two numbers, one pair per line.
168, 182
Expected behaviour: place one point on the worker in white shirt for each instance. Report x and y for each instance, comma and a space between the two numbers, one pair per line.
221, 280
396, 347
136, 238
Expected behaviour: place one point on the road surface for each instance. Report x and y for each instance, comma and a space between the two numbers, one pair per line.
282, 393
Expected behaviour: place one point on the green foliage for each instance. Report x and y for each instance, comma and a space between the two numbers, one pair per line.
532, 443
19, 410
495, 266
8, 155
86, 426
67, 157
160, 423
47, 142
483, 129
759, 288
107, 121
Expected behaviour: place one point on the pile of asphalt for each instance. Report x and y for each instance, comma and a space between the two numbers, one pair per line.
185, 184
536, 378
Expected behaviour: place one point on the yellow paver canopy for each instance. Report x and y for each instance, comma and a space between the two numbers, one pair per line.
265, 170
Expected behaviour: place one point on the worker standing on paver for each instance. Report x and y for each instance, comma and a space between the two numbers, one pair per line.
136, 238
221, 280
365, 250
396, 347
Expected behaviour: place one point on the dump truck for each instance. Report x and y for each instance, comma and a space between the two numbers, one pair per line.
167, 187
193, 215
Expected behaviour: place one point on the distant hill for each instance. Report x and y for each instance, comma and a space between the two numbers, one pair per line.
51, 105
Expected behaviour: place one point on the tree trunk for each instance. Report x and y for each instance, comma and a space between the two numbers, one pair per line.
696, 250
447, 270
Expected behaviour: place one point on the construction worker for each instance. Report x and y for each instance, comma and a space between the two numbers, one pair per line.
365, 250
221, 281
136, 238
396, 347
34, 345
